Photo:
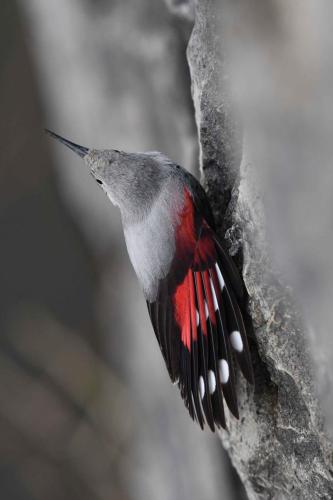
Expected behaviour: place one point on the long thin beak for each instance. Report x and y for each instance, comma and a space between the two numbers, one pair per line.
80, 150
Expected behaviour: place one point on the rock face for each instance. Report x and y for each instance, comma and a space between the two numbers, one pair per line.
278, 447
219, 137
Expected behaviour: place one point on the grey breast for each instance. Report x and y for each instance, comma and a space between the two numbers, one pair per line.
151, 241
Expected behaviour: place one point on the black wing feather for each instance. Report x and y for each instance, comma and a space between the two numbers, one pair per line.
209, 341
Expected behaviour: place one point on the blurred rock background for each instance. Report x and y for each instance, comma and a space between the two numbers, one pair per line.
86, 407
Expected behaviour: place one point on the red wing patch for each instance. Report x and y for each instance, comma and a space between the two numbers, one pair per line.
204, 324
185, 310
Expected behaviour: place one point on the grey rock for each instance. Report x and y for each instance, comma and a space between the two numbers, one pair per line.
278, 447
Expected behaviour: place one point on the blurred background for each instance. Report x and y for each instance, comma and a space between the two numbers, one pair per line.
87, 410
86, 407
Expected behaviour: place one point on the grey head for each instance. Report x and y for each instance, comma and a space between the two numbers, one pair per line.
132, 181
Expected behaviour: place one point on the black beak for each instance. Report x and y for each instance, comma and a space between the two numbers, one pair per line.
79, 150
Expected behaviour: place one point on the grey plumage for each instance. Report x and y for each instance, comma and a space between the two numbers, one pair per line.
148, 190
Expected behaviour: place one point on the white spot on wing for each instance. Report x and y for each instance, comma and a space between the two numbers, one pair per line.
236, 341
197, 317
201, 387
220, 277
206, 310
211, 381
224, 371
216, 306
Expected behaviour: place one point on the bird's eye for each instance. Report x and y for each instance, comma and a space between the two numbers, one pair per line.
99, 181
116, 151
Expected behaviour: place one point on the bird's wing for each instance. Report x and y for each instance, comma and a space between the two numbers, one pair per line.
198, 322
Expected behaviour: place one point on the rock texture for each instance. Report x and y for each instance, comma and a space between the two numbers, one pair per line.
278, 447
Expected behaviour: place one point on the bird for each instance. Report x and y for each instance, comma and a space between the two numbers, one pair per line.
193, 290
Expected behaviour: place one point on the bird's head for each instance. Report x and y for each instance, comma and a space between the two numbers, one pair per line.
130, 180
